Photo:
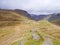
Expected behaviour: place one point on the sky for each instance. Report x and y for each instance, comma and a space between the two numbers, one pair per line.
32, 6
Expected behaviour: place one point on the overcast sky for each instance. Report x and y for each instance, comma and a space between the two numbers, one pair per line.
32, 6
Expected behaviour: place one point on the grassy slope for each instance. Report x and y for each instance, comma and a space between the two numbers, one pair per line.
44, 28
50, 29
11, 26
8, 18
11, 33
57, 22
14, 32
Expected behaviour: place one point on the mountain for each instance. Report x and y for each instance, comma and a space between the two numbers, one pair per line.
19, 15
38, 17
13, 15
31, 16
14, 25
10, 17
6, 15
23, 12
55, 18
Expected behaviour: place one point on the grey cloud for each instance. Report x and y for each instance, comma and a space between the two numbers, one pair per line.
32, 6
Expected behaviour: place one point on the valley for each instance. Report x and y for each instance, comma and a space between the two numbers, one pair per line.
14, 25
